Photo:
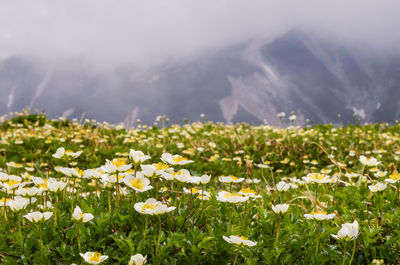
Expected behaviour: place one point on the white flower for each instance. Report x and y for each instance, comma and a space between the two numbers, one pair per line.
46, 206
282, 186
280, 208
317, 178
137, 156
148, 170
115, 165
281, 115
320, 215
377, 187
38, 216
93, 257
183, 175
393, 178
174, 159
60, 153
18, 203
68, 171
166, 175
54, 185
92, 173
239, 240
263, 166
153, 207
137, 259
348, 232
205, 179
230, 179
255, 181
224, 196
78, 215
370, 161
3, 176
250, 193
140, 183
28, 192
12, 182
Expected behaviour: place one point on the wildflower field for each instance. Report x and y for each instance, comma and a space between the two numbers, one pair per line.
82, 192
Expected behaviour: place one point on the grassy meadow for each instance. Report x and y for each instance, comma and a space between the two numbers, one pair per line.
83, 192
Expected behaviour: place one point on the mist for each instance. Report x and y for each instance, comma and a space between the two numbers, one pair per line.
145, 33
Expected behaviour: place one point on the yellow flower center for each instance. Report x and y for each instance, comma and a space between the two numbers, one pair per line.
12, 182
318, 212
179, 173
137, 183
233, 194
130, 171
118, 162
193, 190
395, 176
4, 200
44, 185
317, 176
178, 159
247, 191
161, 166
80, 171
233, 177
95, 256
244, 238
149, 206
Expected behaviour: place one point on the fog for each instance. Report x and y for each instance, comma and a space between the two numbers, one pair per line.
149, 32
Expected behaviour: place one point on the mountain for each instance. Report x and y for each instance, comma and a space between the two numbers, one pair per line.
252, 81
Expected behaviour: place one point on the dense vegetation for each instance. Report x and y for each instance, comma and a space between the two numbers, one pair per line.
285, 192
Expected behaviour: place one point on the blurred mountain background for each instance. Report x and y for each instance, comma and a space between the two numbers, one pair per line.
250, 82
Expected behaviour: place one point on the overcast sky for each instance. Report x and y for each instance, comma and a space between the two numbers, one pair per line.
149, 31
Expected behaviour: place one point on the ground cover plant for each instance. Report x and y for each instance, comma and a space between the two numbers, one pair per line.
76, 192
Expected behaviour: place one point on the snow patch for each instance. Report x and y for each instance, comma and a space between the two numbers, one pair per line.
359, 112
68, 112
11, 98
42, 86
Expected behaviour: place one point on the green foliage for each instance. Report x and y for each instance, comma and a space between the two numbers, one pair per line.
193, 232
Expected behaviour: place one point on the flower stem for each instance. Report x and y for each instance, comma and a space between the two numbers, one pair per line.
159, 234
73, 195
354, 251
244, 219
79, 236
117, 193
230, 220
145, 228
20, 233
318, 233
55, 213
5, 208
277, 229
237, 255
109, 201
40, 237
344, 252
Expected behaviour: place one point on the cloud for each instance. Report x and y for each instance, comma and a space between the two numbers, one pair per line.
152, 31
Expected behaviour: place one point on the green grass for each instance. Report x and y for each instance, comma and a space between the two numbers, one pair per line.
193, 232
